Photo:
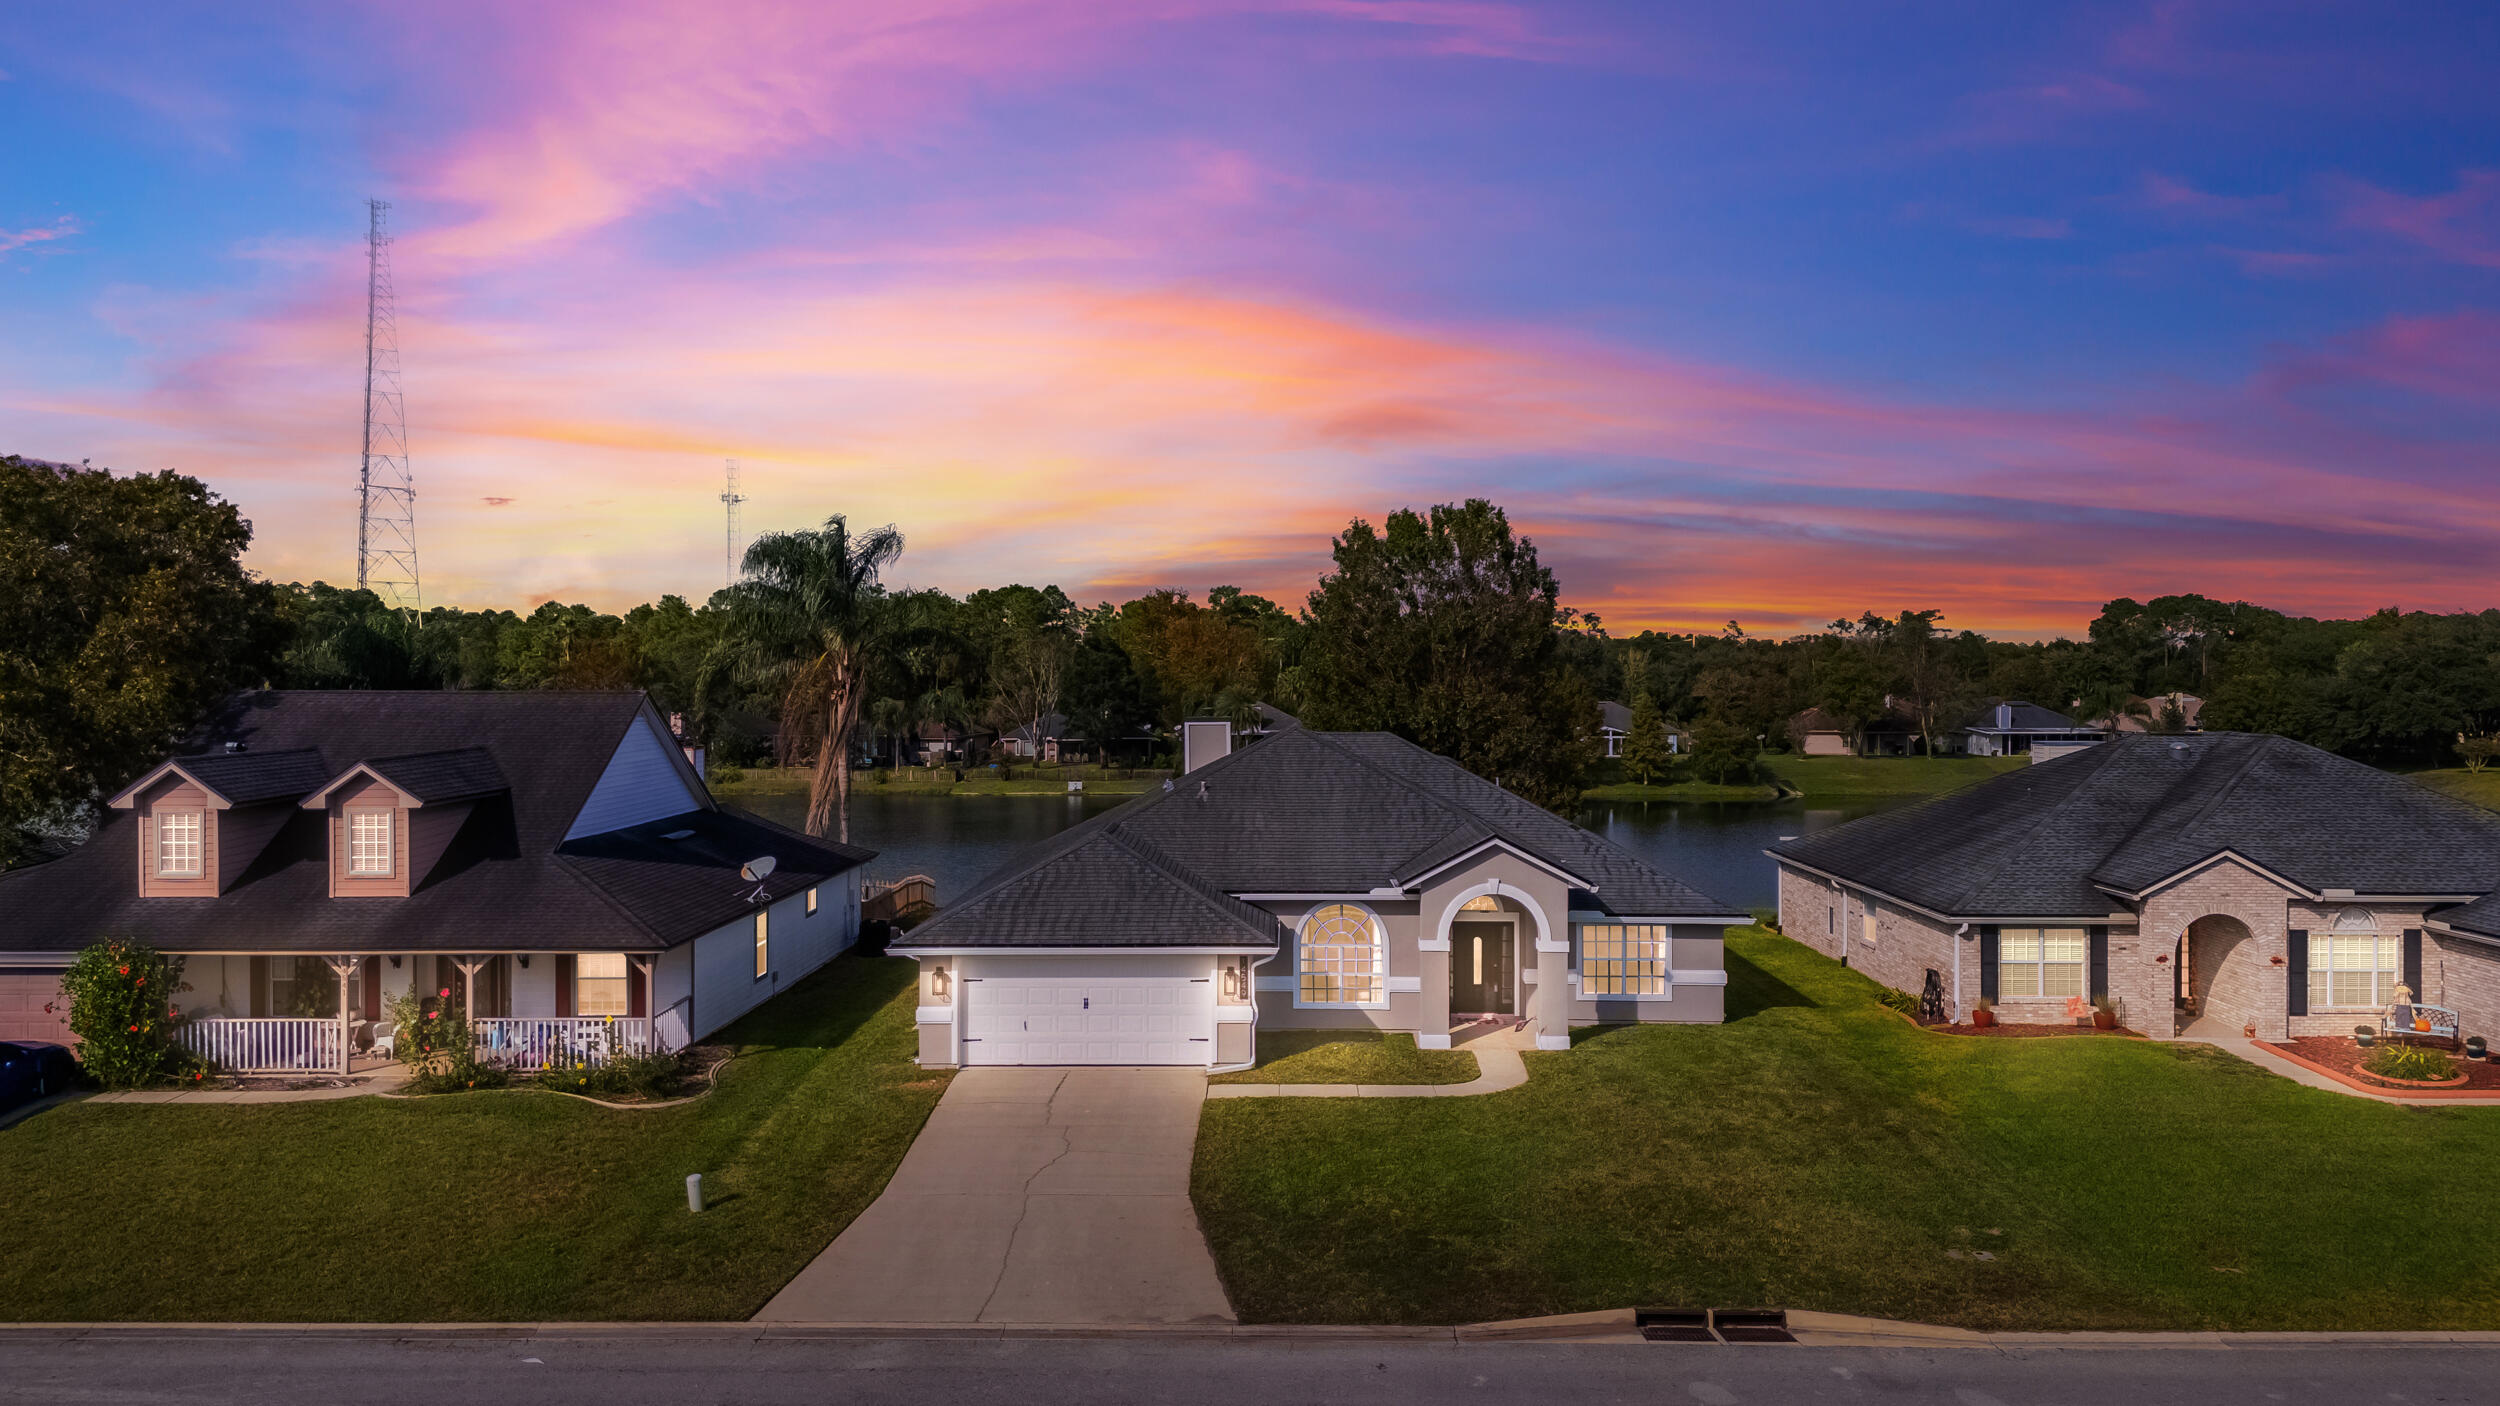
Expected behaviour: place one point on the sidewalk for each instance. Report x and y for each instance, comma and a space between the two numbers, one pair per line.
2274, 1063
1498, 1067
332, 1086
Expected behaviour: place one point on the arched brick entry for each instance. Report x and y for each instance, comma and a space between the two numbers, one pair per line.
2224, 974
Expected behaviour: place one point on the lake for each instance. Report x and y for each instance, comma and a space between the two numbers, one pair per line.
956, 840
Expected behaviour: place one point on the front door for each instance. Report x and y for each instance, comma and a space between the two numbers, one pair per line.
1480, 969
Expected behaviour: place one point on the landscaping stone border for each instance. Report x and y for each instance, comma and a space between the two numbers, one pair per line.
708, 1076
2385, 1087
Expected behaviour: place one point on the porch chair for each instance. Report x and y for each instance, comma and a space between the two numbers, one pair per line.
382, 1039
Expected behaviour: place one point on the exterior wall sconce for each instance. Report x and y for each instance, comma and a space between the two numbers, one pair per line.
939, 982
2162, 961
2278, 959
524, 960
1232, 982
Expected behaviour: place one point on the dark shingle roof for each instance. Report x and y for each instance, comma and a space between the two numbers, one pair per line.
438, 778
251, 778
2021, 717
2481, 917
2053, 838
1301, 812
1096, 886
691, 884
502, 884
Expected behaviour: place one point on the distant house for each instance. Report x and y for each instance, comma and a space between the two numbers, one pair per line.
2011, 727
2157, 712
2221, 877
551, 857
1049, 739
1816, 733
1614, 724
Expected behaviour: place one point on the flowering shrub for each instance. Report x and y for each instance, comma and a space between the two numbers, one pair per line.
436, 1040
122, 1009
2409, 1062
655, 1075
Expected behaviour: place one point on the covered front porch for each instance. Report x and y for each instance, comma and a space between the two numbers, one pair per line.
337, 1013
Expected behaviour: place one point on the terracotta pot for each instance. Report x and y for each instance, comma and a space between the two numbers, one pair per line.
2104, 1020
1983, 1019
2249, 1030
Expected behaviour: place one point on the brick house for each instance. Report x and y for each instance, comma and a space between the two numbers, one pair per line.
2221, 877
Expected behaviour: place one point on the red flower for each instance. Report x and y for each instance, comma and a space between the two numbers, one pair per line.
123, 970
139, 983
445, 992
134, 1030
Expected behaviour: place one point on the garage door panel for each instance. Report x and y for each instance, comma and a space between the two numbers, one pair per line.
23, 995
1087, 1020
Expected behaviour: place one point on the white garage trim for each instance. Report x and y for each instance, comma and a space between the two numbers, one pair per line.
1073, 1015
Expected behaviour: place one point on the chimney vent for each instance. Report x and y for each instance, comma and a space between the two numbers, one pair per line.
1204, 740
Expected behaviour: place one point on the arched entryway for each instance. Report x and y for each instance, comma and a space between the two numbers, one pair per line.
2221, 975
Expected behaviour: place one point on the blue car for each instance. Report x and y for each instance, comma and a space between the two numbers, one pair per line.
30, 1070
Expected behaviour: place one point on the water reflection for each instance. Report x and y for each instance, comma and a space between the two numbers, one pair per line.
1716, 847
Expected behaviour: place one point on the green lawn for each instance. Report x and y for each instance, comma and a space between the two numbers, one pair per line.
2480, 787
1028, 779
475, 1206
1817, 1152
1680, 791
1349, 1057
1886, 776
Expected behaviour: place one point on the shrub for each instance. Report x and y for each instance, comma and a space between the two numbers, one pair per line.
725, 775
655, 1074
2410, 1062
437, 1042
1905, 1002
121, 1008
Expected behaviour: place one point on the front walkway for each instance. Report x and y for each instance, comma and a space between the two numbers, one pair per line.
1498, 1067
1033, 1196
2232, 1042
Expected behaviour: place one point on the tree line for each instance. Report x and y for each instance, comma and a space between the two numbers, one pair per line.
125, 612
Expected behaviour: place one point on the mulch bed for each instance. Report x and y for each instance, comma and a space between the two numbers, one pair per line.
2339, 1056
2005, 1031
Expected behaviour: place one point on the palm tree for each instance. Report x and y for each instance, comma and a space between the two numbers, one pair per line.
809, 616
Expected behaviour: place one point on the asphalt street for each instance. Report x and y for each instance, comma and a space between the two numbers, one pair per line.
664, 1369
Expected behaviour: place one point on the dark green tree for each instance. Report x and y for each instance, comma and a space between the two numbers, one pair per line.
1442, 628
125, 613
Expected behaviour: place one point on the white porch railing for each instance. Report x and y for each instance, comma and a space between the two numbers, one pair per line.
534, 1042
291, 1046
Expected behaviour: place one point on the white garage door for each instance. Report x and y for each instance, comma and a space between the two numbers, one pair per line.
23, 996
1087, 1020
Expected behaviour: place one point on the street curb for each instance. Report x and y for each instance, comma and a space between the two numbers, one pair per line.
1605, 1328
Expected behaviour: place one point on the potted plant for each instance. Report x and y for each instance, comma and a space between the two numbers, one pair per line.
1984, 1014
2364, 1036
2104, 1013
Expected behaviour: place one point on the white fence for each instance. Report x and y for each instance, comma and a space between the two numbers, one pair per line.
295, 1046
535, 1042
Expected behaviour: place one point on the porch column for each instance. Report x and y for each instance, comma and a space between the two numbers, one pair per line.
468, 983
1432, 964
345, 967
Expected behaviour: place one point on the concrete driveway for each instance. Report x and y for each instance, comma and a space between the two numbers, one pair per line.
1033, 1196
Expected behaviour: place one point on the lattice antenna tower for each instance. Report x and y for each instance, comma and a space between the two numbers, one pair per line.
386, 496
730, 498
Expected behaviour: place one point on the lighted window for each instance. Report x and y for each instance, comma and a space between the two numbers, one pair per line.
599, 984
1341, 957
1481, 903
811, 903
1866, 927
1618, 959
763, 945
2355, 964
180, 844
2040, 962
368, 842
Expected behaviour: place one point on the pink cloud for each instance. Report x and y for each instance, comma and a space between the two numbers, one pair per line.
2461, 226
15, 239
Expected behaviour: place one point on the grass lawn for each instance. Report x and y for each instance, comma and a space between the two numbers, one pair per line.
1818, 1152
1886, 776
2480, 787
1680, 791
1029, 780
475, 1206
1349, 1057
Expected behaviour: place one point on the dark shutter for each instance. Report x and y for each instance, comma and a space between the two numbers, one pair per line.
2100, 960
2296, 971
2413, 962
259, 1003
373, 988
1988, 962
564, 984
637, 990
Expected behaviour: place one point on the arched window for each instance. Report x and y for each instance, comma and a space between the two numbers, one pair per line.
1481, 903
1342, 957
2353, 965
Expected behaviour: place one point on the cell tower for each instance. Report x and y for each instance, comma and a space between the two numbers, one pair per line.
730, 499
386, 497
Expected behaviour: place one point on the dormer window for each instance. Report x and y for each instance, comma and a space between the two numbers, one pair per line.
179, 843
369, 844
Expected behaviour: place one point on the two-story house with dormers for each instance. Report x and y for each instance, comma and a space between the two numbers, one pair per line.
552, 860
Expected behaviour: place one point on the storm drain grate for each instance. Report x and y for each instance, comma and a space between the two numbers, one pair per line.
1752, 1325
1674, 1325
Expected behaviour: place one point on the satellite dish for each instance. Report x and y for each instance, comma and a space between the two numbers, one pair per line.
756, 870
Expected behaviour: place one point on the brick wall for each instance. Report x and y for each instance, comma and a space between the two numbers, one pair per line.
2465, 975
1907, 945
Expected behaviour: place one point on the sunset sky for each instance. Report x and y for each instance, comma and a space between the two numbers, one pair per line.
1768, 312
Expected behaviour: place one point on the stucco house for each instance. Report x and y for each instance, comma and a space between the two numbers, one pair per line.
2239, 879
1317, 880
2010, 728
1614, 726
553, 857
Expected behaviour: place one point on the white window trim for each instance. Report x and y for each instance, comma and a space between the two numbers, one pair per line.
1668, 971
1380, 960
2321, 944
2041, 964
390, 843
199, 846
762, 932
